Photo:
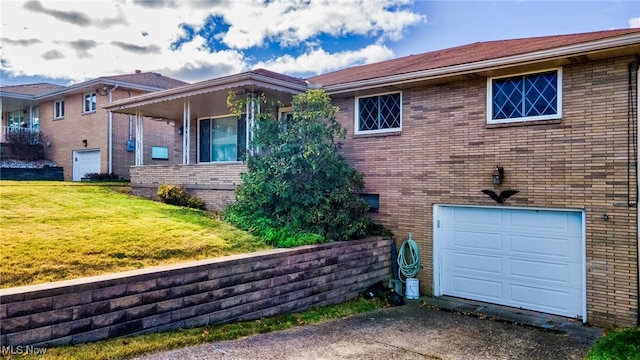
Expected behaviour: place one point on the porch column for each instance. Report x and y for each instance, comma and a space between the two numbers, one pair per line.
139, 139
251, 112
186, 133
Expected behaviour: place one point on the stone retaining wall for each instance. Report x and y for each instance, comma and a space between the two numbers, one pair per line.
214, 291
46, 173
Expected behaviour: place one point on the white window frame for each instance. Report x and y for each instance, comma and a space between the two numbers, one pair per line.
356, 116
84, 103
556, 116
58, 109
200, 134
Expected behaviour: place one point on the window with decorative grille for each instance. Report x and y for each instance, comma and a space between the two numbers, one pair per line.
380, 113
525, 97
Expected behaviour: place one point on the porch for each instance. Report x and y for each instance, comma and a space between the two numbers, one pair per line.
214, 141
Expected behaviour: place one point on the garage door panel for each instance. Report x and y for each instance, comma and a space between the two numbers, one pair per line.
558, 273
512, 256
474, 216
461, 262
541, 299
542, 245
486, 290
477, 240
551, 220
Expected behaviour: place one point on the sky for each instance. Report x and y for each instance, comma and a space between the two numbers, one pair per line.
66, 42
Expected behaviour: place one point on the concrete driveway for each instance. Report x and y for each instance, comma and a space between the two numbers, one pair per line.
413, 331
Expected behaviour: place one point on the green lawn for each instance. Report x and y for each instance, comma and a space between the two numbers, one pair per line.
53, 231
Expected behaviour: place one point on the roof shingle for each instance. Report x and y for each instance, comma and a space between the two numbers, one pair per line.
31, 89
461, 55
148, 79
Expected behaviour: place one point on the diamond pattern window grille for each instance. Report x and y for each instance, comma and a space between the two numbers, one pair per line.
379, 112
525, 96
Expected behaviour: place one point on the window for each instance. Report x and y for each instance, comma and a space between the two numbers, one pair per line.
35, 117
381, 113
222, 139
89, 103
16, 119
525, 97
58, 109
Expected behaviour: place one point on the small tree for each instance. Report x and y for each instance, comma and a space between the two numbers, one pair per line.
298, 183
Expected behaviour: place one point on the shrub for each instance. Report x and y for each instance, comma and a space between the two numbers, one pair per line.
177, 195
24, 144
196, 203
621, 344
298, 188
102, 176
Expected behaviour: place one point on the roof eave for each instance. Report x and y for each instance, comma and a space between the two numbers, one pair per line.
216, 84
7, 94
95, 82
485, 65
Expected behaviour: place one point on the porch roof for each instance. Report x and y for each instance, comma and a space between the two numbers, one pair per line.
209, 97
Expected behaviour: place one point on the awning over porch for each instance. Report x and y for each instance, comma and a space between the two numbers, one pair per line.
204, 99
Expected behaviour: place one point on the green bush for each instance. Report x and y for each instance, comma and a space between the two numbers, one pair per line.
102, 176
178, 195
298, 189
196, 203
622, 344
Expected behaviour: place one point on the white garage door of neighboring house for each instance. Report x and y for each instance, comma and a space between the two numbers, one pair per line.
527, 258
85, 162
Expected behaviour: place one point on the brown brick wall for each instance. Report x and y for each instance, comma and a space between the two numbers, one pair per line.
446, 152
213, 291
66, 135
214, 183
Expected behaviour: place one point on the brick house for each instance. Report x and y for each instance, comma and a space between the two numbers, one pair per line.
554, 118
82, 137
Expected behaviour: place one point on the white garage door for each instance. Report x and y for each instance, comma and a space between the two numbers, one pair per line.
85, 162
527, 258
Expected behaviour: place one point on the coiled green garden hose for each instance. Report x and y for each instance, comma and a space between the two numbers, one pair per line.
408, 269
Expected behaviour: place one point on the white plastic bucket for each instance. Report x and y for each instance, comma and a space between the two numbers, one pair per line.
413, 288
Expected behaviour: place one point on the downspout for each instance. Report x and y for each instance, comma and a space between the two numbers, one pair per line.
637, 65
111, 130
632, 125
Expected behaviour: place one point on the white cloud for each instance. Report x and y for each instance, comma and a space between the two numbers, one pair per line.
318, 61
634, 22
291, 23
82, 40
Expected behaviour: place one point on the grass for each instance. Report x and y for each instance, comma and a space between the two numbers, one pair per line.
126, 347
620, 344
54, 231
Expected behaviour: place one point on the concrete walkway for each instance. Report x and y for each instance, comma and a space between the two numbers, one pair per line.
442, 328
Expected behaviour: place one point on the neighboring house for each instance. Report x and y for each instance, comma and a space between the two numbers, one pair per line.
554, 118
81, 136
